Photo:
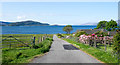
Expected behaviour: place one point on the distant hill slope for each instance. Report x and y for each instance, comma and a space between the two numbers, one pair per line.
27, 23
2, 23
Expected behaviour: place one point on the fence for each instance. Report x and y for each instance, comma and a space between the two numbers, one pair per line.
16, 41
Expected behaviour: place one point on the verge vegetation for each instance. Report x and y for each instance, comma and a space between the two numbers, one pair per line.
23, 54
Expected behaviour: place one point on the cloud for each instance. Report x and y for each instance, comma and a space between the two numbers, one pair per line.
20, 17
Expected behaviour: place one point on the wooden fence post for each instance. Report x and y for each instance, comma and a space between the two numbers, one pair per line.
95, 44
39, 39
34, 41
89, 42
105, 43
10, 45
42, 38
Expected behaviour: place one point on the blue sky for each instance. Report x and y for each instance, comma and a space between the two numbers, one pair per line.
75, 13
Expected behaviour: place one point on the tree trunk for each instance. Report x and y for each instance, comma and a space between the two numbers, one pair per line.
68, 32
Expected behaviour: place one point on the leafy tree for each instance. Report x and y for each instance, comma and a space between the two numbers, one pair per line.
101, 25
80, 33
67, 29
116, 45
111, 25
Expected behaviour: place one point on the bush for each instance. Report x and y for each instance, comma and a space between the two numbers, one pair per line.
101, 34
50, 39
35, 46
18, 55
59, 35
80, 33
116, 45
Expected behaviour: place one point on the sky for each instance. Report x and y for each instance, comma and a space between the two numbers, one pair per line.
62, 13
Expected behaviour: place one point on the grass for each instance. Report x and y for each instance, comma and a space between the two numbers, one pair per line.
100, 54
24, 54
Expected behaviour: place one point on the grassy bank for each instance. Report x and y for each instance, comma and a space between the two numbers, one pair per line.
100, 54
24, 54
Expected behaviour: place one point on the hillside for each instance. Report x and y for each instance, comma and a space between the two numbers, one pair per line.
2, 23
27, 23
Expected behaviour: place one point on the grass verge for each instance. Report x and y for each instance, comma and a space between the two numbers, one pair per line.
101, 55
23, 55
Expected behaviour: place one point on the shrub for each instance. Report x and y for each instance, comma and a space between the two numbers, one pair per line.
35, 46
59, 35
50, 39
18, 55
101, 34
116, 45
80, 33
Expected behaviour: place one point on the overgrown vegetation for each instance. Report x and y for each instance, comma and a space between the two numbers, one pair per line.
116, 45
23, 54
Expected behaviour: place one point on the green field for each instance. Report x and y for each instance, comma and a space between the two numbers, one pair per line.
22, 53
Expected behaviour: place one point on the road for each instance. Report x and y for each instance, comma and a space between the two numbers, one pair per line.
63, 52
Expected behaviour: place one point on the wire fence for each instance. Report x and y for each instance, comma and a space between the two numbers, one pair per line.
17, 41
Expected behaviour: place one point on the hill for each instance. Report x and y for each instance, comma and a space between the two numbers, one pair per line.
27, 23
2, 23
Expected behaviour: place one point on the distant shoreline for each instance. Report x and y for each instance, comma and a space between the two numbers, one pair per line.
61, 25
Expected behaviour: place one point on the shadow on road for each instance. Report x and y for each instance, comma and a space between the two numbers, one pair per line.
70, 47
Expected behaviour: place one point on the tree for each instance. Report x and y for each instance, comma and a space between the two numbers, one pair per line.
111, 25
118, 28
101, 25
116, 45
67, 29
